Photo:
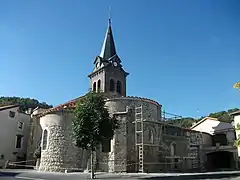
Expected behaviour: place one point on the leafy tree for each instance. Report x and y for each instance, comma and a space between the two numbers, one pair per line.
182, 122
92, 124
237, 85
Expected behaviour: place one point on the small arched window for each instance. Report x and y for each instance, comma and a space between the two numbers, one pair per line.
150, 136
173, 149
99, 85
45, 140
119, 87
112, 85
94, 86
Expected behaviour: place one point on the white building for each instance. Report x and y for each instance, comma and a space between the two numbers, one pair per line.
236, 122
217, 146
14, 131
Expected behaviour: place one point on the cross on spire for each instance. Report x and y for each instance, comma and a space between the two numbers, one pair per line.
109, 18
108, 47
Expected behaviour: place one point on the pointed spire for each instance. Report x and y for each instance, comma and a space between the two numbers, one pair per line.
108, 47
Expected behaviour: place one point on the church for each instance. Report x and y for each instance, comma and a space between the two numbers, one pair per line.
143, 143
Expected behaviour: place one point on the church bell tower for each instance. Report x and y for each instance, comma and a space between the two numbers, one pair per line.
108, 75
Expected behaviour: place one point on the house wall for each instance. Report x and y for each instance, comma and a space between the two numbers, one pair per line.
211, 126
236, 122
231, 136
8, 131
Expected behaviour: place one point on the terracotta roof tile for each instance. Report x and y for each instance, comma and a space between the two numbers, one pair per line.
68, 105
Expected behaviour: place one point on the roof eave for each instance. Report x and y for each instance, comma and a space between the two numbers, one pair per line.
235, 113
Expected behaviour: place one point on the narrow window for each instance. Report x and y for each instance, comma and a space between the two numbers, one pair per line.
99, 85
173, 149
19, 141
112, 85
20, 125
119, 87
44, 140
150, 136
2, 156
94, 86
11, 114
106, 146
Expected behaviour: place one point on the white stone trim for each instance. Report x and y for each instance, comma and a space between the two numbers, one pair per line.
47, 139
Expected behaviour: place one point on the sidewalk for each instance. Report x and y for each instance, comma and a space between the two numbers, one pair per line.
208, 175
32, 174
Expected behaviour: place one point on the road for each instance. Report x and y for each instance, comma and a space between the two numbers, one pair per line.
34, 175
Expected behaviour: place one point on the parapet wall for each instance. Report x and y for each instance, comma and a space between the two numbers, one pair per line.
151, 109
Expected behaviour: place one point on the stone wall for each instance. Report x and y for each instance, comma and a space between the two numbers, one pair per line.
125, 151
158, 138
60, 154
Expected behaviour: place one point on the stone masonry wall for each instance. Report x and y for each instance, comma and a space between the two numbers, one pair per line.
153, 138
125, 152
60, 154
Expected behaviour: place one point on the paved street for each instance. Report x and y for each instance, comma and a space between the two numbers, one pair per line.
34, 175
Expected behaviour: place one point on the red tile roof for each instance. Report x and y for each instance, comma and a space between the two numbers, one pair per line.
68, 105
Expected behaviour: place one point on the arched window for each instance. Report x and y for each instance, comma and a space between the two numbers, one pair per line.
173, 149
99, 85
112, 85
94, 86
45, 140
150, 136
119, 87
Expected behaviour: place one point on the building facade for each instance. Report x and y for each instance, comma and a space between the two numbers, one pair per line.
218, 150
143, 143
236, 123
14, 132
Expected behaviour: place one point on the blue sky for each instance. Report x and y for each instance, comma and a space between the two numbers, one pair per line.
183, 54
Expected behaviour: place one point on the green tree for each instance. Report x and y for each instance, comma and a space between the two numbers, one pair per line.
92, 124
237, 85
